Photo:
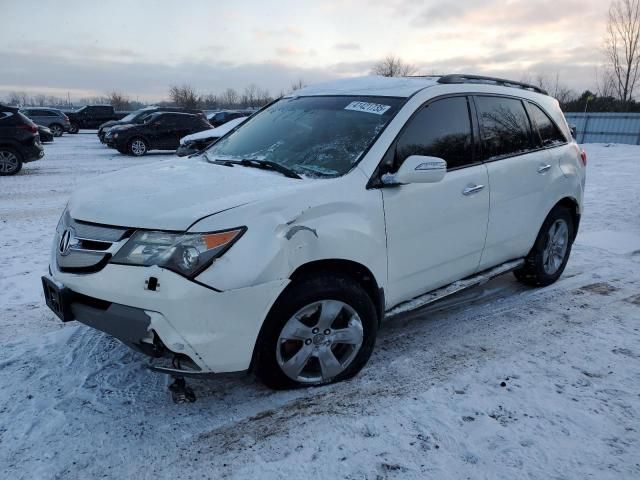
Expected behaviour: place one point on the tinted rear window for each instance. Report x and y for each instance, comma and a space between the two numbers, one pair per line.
547, 134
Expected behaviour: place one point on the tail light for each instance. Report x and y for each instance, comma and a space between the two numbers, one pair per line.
29, 126
583, 157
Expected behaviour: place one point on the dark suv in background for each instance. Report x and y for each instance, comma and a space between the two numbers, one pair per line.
92, 116
160, 131
54, 119
19, 141
139, 116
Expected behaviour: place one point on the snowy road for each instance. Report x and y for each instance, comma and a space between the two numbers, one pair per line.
499, 382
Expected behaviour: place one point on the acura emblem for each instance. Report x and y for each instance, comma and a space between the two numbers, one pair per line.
67, 240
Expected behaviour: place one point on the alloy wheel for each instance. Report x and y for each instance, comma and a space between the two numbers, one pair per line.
556, 247
138, 148
8, 162
319, 341
56, 130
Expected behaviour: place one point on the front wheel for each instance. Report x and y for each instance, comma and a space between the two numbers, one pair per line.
321, 330
549, 255
73, 128
138, 147
10, 162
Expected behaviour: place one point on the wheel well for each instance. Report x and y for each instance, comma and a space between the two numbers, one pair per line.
571, 205
357, 271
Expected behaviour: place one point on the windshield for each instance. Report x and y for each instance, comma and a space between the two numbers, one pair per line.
313, 136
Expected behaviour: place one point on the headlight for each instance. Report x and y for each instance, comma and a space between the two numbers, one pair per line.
184, 253
115, 135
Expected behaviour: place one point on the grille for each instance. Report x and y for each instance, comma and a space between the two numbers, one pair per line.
83, 247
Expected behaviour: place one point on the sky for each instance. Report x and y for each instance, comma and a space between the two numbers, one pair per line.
142, 47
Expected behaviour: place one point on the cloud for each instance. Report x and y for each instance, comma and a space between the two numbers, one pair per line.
263, 34
48, 73
346, 46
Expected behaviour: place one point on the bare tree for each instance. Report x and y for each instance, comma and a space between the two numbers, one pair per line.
40, 100
229, 98
13, 98
184, 96
118, 100
209, 100
298, 84
622, 46
392, 66
250, 95
605, 84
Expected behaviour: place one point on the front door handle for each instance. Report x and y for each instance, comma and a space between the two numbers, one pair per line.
543, 168
471, 189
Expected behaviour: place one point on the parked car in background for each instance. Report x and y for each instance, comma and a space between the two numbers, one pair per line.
160, 131
19, 141
220, 118
197, 142
53, 118
92, 116
139, 116
46, 135
284, 245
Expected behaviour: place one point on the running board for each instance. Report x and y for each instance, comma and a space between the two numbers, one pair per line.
455, 287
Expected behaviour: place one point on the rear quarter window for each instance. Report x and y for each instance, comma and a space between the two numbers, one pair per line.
546, 133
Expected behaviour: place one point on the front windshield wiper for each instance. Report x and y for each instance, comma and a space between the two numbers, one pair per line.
269, 165
263, 164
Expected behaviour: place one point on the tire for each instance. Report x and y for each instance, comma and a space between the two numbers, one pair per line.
137, 147
546, 261
315, 342
56, 129
73, 128
10, 161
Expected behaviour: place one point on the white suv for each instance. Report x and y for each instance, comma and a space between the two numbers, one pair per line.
282, 247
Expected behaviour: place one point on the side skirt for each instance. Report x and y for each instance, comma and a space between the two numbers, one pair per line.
455, 287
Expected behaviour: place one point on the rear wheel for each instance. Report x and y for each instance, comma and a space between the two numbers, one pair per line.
138, 147
56, 129
10, 161
321, 330
549, 255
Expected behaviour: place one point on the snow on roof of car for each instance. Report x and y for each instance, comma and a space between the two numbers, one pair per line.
213, 132
370, 85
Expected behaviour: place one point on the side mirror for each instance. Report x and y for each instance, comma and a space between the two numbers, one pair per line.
419, 169
573, 130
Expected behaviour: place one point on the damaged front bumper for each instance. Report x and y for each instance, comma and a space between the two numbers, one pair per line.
214, 330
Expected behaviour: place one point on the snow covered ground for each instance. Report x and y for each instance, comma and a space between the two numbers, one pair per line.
499, 382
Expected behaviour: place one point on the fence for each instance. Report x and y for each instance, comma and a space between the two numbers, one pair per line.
606, 127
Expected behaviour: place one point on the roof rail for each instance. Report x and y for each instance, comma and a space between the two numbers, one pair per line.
462, 78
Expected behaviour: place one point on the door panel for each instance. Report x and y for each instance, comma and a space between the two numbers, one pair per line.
516, 204
519, 173
435, 233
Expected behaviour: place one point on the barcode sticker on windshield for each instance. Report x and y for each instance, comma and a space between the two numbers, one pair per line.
376, 108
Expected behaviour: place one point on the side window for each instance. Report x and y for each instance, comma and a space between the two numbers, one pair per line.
504, 125
441, 129
547, 133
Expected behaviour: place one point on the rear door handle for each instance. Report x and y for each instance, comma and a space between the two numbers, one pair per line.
471, 189
543, 168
